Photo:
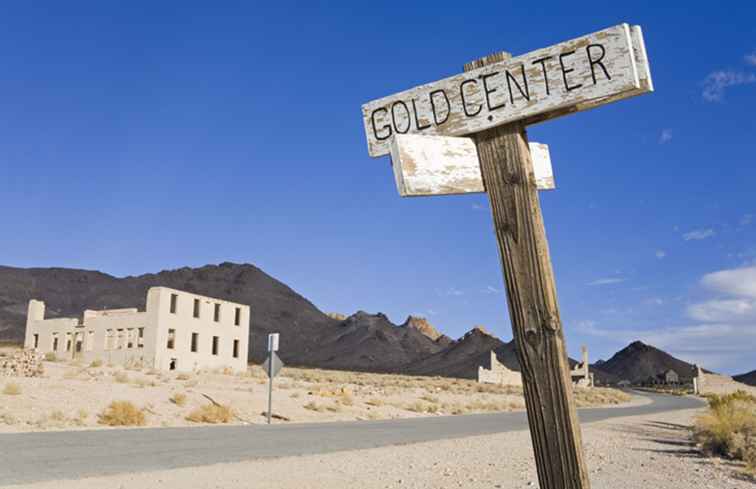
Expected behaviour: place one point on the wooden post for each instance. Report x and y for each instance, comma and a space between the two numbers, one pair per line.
508, 177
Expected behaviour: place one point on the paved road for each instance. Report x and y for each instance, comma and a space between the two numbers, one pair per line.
31, 457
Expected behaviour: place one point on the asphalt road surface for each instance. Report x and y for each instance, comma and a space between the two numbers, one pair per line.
33, 457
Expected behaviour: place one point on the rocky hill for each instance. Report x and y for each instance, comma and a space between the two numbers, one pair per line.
423, 326
749, 378
462, 358
637, 362
309, 337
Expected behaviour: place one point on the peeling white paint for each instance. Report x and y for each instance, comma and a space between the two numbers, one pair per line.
575, 75
445, 165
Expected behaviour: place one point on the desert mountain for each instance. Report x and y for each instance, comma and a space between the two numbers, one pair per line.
371, 342
462, 358
637, 362
423, 326
309, 337
749, 378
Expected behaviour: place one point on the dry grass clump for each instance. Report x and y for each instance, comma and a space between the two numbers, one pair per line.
422, 407
211, 413
122, 413
314, 406
9, 419
121, 377
142, 383
183, 377
12, 389
179, 399
595, 396
50, 357
96, 363
321, 408
728, 428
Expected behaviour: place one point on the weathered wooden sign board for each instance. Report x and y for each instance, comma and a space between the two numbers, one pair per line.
492, 102
448, 165
574, 75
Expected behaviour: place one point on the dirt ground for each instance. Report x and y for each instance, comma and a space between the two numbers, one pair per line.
71, 396
643, 452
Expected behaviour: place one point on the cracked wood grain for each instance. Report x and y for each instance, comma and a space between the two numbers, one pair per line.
508, 177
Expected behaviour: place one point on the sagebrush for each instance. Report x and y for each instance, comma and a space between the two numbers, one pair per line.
728, 428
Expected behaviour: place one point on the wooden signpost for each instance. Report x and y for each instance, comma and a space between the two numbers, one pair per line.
493, 102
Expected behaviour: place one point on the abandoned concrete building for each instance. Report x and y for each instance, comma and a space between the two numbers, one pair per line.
494, 372
177, 331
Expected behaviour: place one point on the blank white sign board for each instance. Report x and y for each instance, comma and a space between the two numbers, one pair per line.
447, 165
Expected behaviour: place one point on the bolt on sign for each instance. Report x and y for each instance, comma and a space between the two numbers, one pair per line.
467, 133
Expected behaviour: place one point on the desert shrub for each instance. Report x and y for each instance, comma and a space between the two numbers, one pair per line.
12, 389
142, 382
121, 377
122, 413
211, 413
421, 407
728, 428
9, 419
597, 396
50, 357
96, 363
179, 399
81, 417
314, 406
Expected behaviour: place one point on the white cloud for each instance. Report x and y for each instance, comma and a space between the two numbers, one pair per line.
661, 254
607, 281
665, 136
723, 330
751, 58
698, 234
724, 310
492, 290
450, 292
739, 282
716, 83
746, 220
713, 346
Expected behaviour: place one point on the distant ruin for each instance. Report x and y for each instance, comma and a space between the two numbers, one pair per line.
177, 331
581, 374
497, 373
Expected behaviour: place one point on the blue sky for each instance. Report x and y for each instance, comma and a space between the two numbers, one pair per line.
136, 137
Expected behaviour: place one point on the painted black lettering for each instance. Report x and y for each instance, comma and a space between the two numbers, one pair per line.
375, 129
565, 71
417, 119
542, 62
510, 79
595, 62
393, 117
433, 106
464, 102
490, 91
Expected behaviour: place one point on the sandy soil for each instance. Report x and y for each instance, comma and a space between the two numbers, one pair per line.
644, 452
71, 396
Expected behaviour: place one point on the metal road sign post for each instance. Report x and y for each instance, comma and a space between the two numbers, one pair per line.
492, 102
272, 366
